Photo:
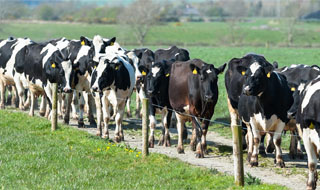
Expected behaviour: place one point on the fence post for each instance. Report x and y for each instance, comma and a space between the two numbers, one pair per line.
54, 107
145, 121
238, 155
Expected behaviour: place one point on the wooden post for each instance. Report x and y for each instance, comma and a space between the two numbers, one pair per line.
54, 118
145, 121
238, 155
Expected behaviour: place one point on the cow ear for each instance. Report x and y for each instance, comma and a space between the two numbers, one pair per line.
221, 69
85, 41
242, 70
115, 66
144, 70
194, 69
275, 65
110, 42
268, 69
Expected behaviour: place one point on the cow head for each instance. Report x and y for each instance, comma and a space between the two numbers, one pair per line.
156, 79
104, 75
257, 76
57, 70
208, 76
146, 60
100, 44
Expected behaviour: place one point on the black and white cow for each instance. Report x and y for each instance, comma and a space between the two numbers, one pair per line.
157, 82
193, 91
42, 64
114, 76
263, 106
10, 53
307, 97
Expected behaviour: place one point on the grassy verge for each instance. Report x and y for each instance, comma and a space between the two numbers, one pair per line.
33, 157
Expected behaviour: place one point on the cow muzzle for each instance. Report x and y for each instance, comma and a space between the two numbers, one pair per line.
246, 91
208, 98
95, 89
291, 115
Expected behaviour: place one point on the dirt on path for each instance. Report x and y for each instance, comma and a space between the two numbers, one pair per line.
222, 163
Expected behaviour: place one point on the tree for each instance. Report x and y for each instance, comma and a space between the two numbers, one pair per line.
140, 16
294, 10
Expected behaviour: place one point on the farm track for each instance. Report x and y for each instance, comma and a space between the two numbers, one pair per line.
222, 163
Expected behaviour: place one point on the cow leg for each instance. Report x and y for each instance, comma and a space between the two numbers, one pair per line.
97, 100
196, 125
42, 110
118, 119
277, 141
48, 91
180, 124
91, 108
20, 90
63, 103
14, 96
262, 149
32, 99
299, 148
28, 100
106, 118
137, 104
165, 118
59, 105
270, 145
152, 125
204, 126
68, 101
193, 140
256, 143
74, 105
250, 142
2, 92
81, 109
312, 159
128, 113
293, 145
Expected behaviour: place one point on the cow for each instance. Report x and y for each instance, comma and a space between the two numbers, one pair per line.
114, 77
178, 54
157, 82
295, 75
263, 106
42, 64
10, 51
193, 94
308, 122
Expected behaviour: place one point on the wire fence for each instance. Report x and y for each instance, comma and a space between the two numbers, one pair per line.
201, 118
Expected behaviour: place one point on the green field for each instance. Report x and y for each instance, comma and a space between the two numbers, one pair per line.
251, 32
33, 157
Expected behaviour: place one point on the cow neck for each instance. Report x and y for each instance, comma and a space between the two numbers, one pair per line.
163, 96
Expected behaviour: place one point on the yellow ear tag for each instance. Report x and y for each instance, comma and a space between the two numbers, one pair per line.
195, 71
83, 43
293, 89
112, 43
117, 67
243, 73
268, 75
311, 126
144, 73
95, 67
167, 75
53, 65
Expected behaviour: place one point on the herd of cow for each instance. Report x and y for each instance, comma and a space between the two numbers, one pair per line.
102, 75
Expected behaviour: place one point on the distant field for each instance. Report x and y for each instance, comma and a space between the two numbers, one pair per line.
252, 32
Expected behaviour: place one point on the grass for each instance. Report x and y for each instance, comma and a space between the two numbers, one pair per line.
33, 157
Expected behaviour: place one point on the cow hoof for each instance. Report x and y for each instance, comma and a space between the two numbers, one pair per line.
117, 139
31, 114
180, 150
98, 134
106, 136
167, 141
161, 140
253, 163
80, 124
262, 152
312, 185
249, 156
42, 113
21, 108
280, 164
270, 149
193, 145
93, 123
199, 154
151, 142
